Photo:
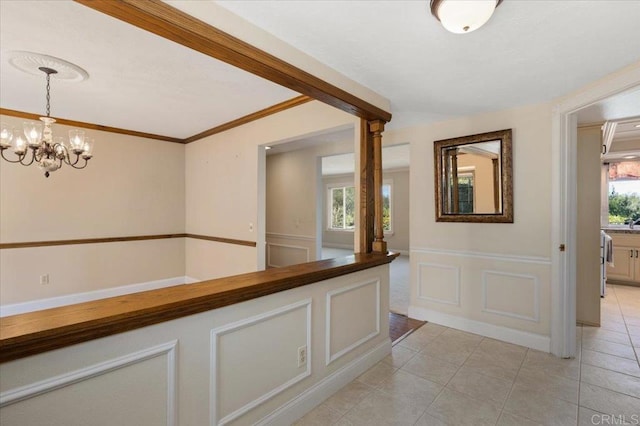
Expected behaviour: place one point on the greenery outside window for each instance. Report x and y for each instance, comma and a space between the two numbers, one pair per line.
465, 193
341, 208
624, 192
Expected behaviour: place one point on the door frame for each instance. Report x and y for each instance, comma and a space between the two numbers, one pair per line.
564, 201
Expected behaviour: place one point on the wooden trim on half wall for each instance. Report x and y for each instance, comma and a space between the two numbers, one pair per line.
168, 22
31, 244
91, 126
222, 240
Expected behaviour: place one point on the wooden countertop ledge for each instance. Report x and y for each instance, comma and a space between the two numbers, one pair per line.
36, 332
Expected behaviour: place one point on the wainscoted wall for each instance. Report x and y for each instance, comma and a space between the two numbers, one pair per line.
235, 365
285, 250
483, 293
485, 277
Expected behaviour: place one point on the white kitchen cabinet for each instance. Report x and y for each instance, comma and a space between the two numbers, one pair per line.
626, 258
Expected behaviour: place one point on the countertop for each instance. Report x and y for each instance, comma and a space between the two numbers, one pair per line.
622, 230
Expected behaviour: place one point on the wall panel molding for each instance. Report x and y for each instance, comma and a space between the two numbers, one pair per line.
456, 269
286, 246
329, 355
536, 295
484, 255
315, 395
49, 385
230, 328
290, 236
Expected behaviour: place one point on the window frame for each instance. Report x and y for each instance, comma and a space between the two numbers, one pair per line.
329, 206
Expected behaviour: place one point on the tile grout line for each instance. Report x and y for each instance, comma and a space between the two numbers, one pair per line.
513, 384
626, 326
445, 385
580, 375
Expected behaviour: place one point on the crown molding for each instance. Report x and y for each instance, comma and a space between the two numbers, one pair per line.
91, 126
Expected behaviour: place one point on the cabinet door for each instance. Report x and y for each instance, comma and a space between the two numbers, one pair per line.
636, 255
624, 264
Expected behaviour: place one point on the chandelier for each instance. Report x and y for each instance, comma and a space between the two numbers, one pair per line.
36, 144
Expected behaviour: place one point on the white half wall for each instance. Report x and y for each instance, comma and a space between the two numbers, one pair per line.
236, 365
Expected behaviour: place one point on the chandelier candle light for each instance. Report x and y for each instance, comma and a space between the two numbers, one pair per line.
40, 147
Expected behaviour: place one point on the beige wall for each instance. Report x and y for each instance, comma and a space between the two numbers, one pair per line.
133, 186
493, 279
225, 179
588, 229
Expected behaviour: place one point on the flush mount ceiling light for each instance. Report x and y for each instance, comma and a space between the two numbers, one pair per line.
36, 144
463, 16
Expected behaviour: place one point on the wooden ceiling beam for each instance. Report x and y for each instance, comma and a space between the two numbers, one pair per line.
170, 23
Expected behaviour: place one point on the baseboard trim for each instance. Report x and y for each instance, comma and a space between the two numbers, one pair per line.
72, 299
315, 395
498, 332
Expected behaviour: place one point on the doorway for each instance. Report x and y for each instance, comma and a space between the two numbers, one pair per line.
564, 209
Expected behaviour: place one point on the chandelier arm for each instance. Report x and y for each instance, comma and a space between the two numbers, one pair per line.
33, 157
75, 162
83, 166
19, 160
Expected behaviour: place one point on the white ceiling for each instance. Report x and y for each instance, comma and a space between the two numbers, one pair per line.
393, 158
530, 51
137, 80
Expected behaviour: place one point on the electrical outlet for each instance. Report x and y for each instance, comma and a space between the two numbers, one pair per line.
44, 279
302, 356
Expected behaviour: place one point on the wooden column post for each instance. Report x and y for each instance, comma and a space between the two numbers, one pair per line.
367, 192
377, 127
454, 182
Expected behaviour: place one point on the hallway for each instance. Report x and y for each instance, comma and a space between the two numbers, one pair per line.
442, 376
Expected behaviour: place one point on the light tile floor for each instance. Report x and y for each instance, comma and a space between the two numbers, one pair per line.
442, 376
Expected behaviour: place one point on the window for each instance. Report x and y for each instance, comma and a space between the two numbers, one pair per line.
342, 208
624, 192
465, 193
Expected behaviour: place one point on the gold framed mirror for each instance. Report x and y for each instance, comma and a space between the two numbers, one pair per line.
474, 178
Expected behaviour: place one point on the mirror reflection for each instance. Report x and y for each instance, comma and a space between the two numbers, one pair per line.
473, 178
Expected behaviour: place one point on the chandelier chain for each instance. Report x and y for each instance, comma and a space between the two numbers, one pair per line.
48, 94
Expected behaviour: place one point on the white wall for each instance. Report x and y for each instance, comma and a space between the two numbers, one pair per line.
133, 186
235, 365
493, 279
